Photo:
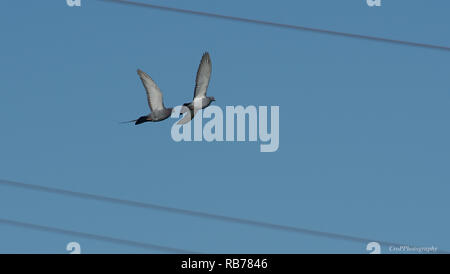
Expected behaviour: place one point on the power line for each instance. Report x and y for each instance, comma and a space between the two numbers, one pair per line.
281, 25
93, 236
199, 214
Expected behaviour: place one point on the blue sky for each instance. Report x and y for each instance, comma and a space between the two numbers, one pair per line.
364, 133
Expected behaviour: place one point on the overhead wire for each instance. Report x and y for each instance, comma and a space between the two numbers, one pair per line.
280, 25
199, 214
93, 236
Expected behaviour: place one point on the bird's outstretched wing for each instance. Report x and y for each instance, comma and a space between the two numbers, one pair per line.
154, 95
203, 75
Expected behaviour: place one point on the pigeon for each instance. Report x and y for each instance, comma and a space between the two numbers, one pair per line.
200, 99
155, 101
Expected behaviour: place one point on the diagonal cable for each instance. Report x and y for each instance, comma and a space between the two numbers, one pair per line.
93, 236
199, 214
281, 25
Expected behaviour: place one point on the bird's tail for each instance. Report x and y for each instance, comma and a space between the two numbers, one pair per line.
141, 120
126, 122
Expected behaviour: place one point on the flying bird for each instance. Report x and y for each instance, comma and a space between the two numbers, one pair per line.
200, 99
155, 101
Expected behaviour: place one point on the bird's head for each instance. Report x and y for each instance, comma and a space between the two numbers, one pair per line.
212, 98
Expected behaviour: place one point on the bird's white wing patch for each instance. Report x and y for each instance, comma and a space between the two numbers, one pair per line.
203, 76
154, 94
